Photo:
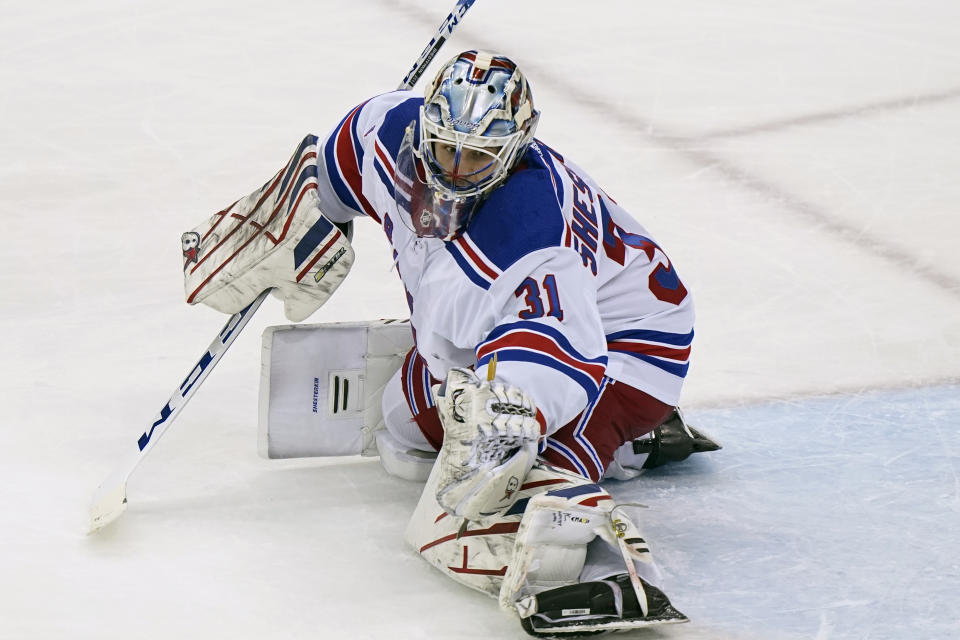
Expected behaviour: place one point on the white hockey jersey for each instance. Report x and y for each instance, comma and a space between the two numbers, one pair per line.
551, 275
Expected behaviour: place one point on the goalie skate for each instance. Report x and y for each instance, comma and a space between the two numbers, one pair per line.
591, 608
673, 441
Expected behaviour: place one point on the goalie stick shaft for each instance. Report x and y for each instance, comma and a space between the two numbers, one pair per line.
445, 31
110, 498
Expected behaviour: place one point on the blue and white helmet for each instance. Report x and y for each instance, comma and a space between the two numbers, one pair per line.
479, 105
481, 102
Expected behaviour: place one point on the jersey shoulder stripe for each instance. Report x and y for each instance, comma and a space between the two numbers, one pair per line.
385, 167
343, 155
390, 137
482, 271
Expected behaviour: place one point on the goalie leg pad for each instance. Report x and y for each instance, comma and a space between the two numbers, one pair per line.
403, 461
478, 553
404, 451
472, 553
534, 558
556, 586
551, 543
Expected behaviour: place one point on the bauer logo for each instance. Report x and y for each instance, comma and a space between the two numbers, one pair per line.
322, 271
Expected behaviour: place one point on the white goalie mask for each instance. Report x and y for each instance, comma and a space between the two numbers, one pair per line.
476, 122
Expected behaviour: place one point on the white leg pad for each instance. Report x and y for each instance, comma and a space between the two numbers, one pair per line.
551, 545
473, 553
480, 553
402, 461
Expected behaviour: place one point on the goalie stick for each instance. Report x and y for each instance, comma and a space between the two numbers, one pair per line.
110, 498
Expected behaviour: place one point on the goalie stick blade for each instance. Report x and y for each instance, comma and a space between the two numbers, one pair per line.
108, 504
110, 499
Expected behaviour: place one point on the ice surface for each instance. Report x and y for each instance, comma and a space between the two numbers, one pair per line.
821, 518
797, 160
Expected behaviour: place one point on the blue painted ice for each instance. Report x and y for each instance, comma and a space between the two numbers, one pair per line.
834, 517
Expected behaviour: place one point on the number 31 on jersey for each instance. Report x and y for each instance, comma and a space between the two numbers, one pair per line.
532, 296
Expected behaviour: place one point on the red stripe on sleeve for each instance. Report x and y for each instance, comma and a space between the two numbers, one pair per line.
543, 344
681, 355
346, 155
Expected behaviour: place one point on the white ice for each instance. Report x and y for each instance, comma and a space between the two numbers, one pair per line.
798, 160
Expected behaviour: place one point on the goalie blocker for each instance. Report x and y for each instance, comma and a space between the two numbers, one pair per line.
321, 388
